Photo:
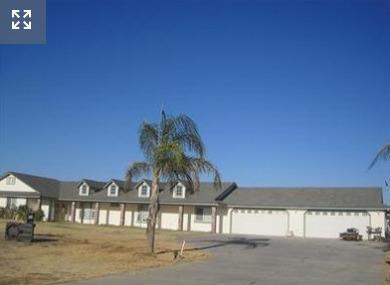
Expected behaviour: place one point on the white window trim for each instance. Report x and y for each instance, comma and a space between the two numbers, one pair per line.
81, 187
205, 218
140, 190
183, 189
109, 190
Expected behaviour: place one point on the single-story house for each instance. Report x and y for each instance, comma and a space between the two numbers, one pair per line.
297, 211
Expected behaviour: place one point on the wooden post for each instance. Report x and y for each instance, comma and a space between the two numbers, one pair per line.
96, 218
181, 216
122, 216
213, 219
82, 212
132, 218
73, 212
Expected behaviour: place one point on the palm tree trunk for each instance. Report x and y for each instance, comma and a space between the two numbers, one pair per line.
154, 207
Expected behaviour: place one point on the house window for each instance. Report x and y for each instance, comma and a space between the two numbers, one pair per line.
142, 213
11, 203
87, 213
348, 213
202, 215
324, 213
332, 213
356, 214
10, 180
113, 190
364, 214
179, 192
84, 190
309, 213
269, 212
144, 191
340, 213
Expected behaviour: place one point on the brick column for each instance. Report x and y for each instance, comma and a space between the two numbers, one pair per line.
214, 219
122, 217
96, 218
73, 212
181, 216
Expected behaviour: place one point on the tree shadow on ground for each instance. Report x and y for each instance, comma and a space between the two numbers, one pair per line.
247, 243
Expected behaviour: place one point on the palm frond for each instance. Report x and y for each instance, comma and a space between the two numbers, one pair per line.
383, 154
203, 166
148, 138
136, 170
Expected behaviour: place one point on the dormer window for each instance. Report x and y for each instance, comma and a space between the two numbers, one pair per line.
113, 190
144, 190
84, 189
179, 191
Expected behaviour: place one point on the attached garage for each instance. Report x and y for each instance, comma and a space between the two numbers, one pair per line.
329, 224
259, 222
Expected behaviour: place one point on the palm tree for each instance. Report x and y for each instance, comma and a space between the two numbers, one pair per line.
383, 154
173, 151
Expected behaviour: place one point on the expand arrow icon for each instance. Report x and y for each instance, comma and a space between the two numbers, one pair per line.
15, 13
15, 25
27, 25
27, 13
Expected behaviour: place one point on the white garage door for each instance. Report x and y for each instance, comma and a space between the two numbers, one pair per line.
260, 222
329, 224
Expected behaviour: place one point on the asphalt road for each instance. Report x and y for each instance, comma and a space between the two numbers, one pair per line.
260, 260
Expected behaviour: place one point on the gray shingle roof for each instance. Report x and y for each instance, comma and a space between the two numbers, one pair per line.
230, 194
308, 197
205, 196
48, 187
19, 194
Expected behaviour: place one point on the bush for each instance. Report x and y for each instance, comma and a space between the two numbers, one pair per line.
8, 213
39, 215
22, 213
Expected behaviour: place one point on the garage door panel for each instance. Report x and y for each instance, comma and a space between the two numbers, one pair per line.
329, 224
259, 222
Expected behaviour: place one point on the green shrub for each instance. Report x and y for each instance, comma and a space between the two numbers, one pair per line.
39, 215
8, 213
22, 213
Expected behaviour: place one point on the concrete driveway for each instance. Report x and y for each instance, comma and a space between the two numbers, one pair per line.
259, 260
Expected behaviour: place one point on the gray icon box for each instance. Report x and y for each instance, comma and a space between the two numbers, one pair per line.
22, 21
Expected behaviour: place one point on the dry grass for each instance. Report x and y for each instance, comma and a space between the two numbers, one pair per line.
68, 252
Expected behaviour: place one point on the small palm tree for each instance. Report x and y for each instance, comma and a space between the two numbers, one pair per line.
173, 151
383, 154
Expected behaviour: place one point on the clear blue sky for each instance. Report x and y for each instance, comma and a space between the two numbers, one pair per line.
284, 94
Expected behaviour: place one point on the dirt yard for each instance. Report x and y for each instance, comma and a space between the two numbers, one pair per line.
65, 252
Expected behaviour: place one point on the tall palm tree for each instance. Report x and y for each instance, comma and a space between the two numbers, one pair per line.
383, 154
173, 151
